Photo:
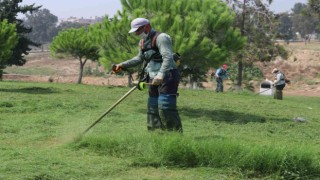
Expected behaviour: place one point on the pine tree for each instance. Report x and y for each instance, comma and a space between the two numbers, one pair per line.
201, 30
9, 11
8, 39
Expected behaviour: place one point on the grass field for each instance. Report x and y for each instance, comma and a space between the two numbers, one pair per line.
226, 136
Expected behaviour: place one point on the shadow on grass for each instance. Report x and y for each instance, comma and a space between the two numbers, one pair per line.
228, 116
32, 90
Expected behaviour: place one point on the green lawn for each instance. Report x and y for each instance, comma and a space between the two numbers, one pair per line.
226, 136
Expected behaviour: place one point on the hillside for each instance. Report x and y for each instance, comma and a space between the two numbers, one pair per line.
302, 68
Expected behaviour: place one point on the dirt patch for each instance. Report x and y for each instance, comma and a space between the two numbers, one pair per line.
302, 68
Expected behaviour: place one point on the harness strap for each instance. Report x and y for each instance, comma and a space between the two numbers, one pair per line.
282, 76
141, 44
153, 42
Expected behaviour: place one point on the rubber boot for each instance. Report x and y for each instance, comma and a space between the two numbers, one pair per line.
219, 85
153, 118
279, 95
168, 112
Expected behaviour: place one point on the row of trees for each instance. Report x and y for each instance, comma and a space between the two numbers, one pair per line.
315, 6
45, 26
17, 35
206, 32
202, 32
302, 22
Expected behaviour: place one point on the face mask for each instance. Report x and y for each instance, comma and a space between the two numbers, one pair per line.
143, 35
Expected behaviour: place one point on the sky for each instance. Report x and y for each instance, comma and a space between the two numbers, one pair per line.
78, 8
285, 5
91, 8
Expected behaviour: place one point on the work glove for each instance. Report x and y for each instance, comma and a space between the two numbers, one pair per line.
117, 68
157, 80
178, 62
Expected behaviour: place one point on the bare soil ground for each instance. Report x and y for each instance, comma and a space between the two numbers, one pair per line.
302, 68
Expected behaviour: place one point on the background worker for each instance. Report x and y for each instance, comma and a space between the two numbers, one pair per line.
279, 83
162, 74
220, 75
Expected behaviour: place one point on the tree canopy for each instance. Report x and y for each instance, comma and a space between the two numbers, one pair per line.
315, 6
77, 44
43, 25
303, 21
202, 32
8, 39
10, 10
300, 23
285, 30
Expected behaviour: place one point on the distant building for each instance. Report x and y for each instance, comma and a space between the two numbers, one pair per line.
91, 20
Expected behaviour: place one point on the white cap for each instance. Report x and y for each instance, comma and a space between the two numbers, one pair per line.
275, 70
138, 22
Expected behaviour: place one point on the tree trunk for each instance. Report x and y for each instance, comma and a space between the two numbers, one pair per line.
192, 83
81, 70
1, 73
240, 64
80, 73
240, 68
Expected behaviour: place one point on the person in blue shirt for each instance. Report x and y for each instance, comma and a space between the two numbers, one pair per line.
220, 75
162, 75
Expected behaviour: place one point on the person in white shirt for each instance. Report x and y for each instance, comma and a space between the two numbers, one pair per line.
279, 82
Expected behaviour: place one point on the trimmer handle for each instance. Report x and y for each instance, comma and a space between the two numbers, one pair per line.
114, 69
